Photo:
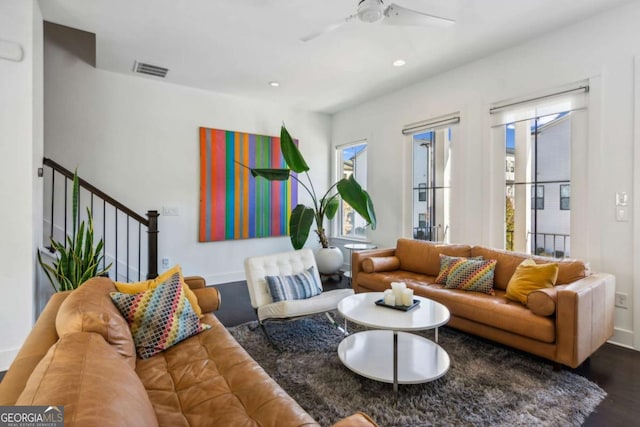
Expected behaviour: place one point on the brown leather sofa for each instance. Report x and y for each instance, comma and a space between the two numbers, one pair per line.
80, 354
565, 323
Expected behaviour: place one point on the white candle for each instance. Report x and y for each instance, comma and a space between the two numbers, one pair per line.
390, 299
397, 288
407, 297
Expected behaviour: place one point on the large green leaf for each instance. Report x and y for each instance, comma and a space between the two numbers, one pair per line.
332, 207
352, 193
290, 152
300, 224
271, 174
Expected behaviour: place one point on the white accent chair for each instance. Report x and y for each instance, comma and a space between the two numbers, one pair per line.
281, 264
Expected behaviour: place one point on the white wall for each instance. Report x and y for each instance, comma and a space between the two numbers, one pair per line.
20, 188
137, 139
601, 49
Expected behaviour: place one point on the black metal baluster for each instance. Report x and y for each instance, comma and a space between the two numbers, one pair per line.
66, 201
53, 192
139, 247
127, 248
116, 260
104, 234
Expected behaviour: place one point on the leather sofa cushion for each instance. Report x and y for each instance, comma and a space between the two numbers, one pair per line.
90, 309
424, 257
381, 263
569, 270
543, 301
210, 380
95, 385
492, 310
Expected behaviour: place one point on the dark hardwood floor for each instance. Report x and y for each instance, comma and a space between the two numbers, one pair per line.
615, 369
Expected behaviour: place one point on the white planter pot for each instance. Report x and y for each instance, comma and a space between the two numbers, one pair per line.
329, 259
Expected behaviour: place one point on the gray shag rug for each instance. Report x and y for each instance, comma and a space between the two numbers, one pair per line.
486, 385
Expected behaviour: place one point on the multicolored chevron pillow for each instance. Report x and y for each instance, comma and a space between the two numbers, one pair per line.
446, 262
159, 318
472, 275
297, 286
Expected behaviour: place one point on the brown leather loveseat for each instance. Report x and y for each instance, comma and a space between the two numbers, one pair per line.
565, 323
80, 354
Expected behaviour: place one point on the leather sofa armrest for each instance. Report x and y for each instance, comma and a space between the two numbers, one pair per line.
195, 282
209, 299
359, 419
356, 262
37, 344
584, 317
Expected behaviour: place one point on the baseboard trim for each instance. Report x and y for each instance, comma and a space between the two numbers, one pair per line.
623, 338
6, 358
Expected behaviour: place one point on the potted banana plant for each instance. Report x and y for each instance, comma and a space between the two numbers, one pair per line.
79, 259
324, 207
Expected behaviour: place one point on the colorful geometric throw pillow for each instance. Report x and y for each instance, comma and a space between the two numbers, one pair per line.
159, 318
135, 287
446, 262
297, 286
472, 275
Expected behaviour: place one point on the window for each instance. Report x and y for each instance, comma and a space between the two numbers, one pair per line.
537, 194
565, 197
537, 135
352, 161
422, 192
431, 184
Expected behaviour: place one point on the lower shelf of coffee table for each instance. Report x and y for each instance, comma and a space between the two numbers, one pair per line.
370, 354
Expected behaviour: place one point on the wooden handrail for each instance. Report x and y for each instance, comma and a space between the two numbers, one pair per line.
61, 169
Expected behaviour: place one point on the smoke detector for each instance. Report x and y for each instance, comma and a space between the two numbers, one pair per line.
370, 10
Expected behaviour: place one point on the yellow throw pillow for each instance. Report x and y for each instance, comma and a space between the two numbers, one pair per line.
137, 287
529, 277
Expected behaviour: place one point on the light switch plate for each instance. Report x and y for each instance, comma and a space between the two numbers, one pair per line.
622, 199
170, 211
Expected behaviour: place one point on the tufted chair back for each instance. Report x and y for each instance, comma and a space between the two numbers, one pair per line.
285, 263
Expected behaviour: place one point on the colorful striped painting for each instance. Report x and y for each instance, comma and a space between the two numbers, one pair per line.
233, 204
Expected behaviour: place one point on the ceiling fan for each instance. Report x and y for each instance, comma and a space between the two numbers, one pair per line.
370, 11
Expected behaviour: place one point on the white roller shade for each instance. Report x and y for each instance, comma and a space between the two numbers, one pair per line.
569, 98
431, 124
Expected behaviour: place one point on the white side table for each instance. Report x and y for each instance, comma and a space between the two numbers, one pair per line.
355, 247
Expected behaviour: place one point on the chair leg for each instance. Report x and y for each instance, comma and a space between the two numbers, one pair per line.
334, 323
266, 334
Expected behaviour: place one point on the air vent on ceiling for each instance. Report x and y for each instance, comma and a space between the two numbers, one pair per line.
152, 70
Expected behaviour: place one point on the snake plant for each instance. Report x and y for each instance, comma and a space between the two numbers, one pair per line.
78, 260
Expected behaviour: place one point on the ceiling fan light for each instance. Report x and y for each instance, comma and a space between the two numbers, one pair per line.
370, 10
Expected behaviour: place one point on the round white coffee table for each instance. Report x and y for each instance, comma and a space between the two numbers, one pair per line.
388, 353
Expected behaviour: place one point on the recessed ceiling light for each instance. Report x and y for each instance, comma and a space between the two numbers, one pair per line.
399, 62
274, 84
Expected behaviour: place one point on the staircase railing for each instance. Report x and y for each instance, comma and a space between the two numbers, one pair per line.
118, 248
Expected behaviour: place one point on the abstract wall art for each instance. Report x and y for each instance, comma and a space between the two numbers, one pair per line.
233, 204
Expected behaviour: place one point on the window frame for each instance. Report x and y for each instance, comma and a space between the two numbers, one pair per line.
567, 197
536, 198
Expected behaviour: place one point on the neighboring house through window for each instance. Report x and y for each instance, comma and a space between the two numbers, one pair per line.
352, 160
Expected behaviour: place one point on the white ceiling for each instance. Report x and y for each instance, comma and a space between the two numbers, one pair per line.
237, 46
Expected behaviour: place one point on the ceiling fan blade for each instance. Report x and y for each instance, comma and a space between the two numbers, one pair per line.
398, 15
327, 29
